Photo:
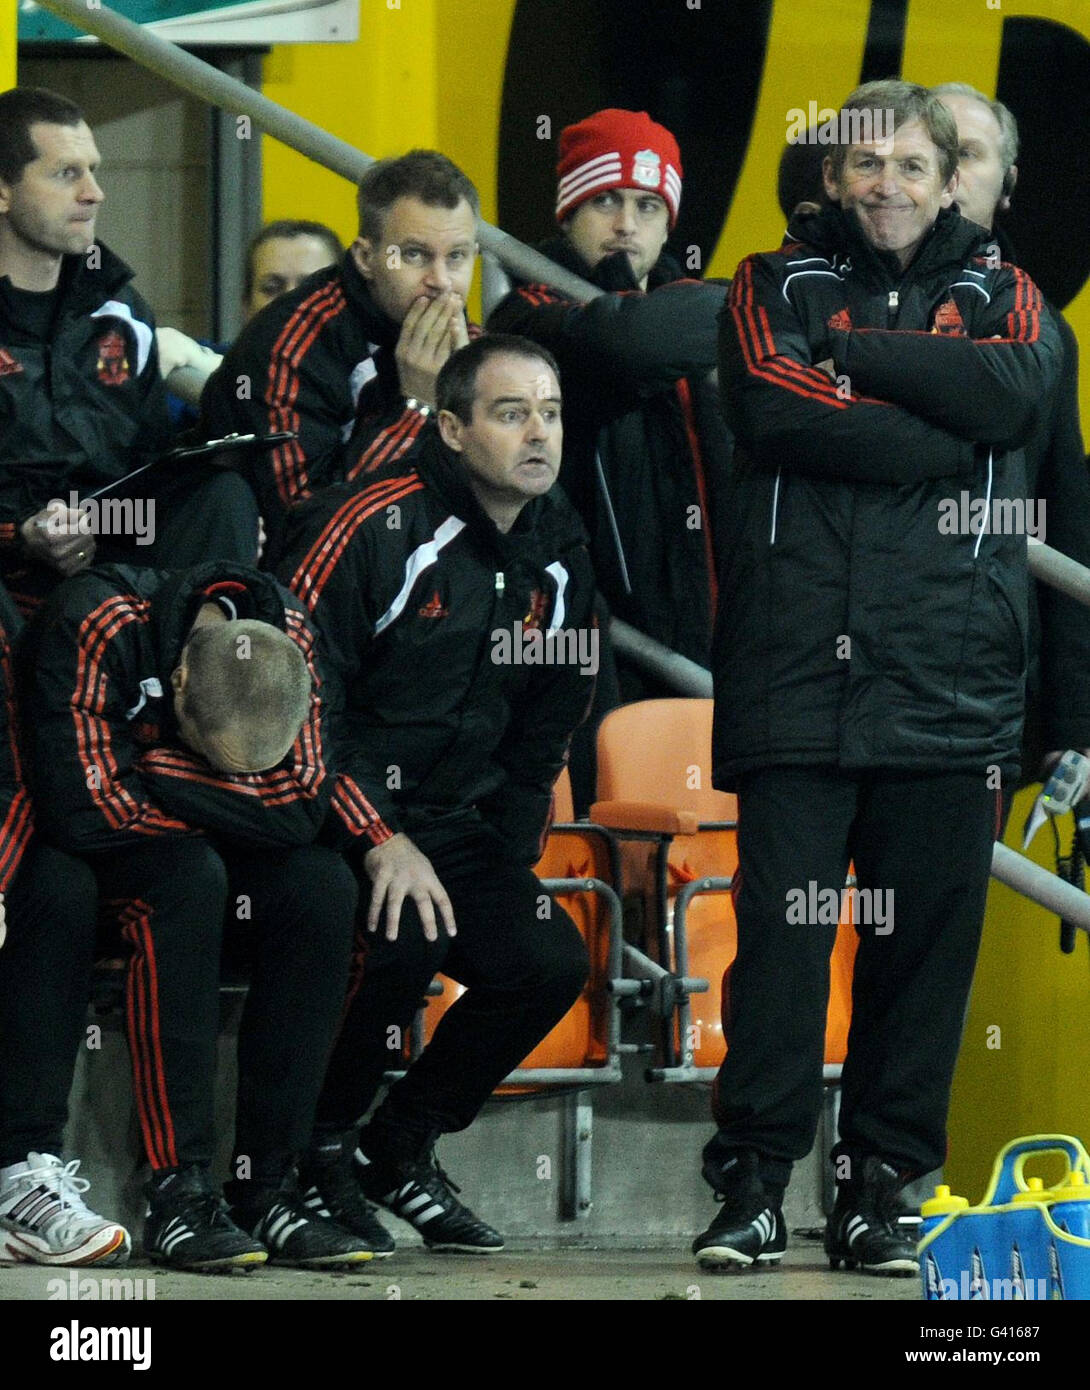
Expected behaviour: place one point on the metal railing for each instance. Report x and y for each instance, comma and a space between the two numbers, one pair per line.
689, 678
202, 80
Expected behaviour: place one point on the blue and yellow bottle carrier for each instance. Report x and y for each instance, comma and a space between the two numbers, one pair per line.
1024, 1240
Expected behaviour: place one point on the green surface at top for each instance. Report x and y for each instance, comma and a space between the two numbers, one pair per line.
38, 25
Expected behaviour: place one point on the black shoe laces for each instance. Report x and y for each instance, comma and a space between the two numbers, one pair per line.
878, 1209
336, 1185
204, 1207
441, 1174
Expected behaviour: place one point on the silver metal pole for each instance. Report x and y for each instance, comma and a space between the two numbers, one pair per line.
202, 80
1008, 866
689, 678
684, 675
1060, 571
1033, 882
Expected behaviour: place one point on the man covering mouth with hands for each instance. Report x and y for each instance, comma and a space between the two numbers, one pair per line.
349, 360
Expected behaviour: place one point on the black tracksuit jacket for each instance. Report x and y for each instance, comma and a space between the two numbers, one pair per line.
106, 765
83, 408
318, 361
415, 592
635, 370
852, 630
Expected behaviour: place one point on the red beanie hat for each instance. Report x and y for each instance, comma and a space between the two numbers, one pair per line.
617, 149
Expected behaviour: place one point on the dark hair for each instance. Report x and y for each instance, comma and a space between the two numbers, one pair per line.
20, 108
800, 178
908, 102
290, 227
249, 680
424, 174
456, 386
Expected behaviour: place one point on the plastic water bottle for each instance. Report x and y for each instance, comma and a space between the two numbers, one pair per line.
942, 1254
1068, 1262
1021, 1229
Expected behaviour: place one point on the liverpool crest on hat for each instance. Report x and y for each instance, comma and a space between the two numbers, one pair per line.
646, 168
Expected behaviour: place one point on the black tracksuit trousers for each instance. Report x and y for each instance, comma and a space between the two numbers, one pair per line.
292, 912
520, 957
926, 843
45, 983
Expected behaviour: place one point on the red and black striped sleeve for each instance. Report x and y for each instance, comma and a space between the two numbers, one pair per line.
283, 374
989, 387
16, 818
89, 795
330, 565
387, 430
383, 439
787, 413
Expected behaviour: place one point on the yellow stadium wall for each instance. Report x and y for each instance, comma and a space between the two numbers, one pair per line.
428, 73
1026, 1050
8, 22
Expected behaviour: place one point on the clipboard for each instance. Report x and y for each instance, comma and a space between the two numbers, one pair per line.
229, 444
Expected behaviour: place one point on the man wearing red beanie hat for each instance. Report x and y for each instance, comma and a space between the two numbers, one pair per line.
610, 151
646, 450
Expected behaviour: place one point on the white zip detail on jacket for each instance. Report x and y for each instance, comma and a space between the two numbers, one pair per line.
775, 506
984, 525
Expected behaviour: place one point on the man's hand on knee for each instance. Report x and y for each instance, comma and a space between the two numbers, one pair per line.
397, 871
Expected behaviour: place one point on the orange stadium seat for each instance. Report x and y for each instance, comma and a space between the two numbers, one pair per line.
577, 866
675, 829
707, 926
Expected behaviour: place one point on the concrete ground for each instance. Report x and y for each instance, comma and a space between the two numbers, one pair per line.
528, 1276
644, 1201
